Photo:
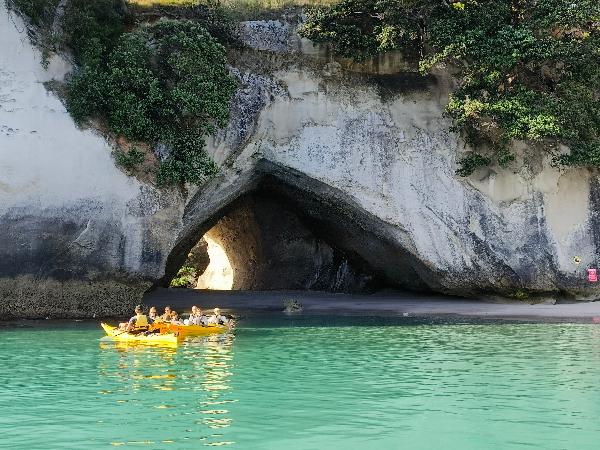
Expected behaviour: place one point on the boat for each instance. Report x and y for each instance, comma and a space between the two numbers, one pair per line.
116, 334
190, 330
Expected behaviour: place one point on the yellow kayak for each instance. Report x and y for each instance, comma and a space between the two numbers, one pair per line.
190, 330
122, 336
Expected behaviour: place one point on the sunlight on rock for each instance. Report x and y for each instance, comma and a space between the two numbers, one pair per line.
219, 274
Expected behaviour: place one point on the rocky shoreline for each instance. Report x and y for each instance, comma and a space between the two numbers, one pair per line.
112, 302
379, 304
25, 297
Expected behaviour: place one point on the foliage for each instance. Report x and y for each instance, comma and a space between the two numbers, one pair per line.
81, 22
129, 160
471, 162
215, 19
363, 28
40, 12
93, 25
520, 295
526, 69
165, 84
185, 277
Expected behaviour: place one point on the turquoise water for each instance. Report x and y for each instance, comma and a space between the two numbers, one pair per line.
314, 383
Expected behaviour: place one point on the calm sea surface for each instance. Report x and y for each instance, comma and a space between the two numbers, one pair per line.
305, 383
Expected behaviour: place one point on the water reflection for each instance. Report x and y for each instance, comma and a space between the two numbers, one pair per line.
185, 391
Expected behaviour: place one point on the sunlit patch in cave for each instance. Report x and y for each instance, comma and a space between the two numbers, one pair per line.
219, 273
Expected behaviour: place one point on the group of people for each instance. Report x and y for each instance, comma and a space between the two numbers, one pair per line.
196, 317
141, 321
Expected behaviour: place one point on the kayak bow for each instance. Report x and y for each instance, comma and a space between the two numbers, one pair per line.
155, 338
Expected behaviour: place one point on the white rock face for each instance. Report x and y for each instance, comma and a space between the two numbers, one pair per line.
66, 210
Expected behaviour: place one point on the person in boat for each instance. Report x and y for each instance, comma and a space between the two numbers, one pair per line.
175, 318
196, 317
152, 313
203, 318
166, 317
140, 322
217, 318
193, 318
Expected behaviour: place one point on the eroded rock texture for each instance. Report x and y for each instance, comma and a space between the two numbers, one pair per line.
369, 154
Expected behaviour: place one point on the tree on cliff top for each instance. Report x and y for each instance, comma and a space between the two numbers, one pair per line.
526, 69
166, 84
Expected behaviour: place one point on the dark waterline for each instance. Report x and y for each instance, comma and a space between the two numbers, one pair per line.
382, 304
277, 319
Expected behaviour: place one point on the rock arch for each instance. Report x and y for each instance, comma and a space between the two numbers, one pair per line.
284, 230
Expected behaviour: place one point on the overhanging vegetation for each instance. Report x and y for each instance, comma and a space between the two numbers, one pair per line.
526, 69
163, 83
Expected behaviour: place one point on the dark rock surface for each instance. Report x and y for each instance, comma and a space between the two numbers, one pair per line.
270, 246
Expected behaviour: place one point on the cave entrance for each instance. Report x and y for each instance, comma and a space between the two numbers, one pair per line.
262, 242
273, 228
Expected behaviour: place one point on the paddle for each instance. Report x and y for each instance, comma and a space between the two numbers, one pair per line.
134, 334
121, 332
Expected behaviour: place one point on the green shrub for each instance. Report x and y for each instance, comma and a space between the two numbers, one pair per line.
505, 157
471, 162
186, 276
41, 12
165, 84
129, 160
216, 18
93, 25
526, 69
520, 295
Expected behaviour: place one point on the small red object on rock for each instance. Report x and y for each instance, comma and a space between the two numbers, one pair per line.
592, 275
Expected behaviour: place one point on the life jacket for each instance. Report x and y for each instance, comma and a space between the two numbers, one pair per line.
216, 320
141, 321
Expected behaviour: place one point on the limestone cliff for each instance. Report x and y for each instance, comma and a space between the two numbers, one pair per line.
361, 154
78, 236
